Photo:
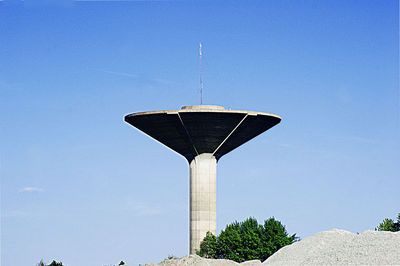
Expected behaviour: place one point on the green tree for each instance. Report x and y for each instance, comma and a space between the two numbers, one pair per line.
389, 225
229, 242
274, 237
247, 240
208, 247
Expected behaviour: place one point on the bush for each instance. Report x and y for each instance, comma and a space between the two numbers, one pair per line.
246, 241
389, 225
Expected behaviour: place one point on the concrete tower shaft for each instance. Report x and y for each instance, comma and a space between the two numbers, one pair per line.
203, 199
202, 134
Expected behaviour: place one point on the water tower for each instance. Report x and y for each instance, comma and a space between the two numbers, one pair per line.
202, 134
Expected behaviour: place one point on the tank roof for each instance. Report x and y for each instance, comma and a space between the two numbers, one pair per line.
197, 129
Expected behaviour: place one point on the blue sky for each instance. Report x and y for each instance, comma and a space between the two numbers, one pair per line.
81, 186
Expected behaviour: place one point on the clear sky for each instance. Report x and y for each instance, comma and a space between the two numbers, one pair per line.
81, 186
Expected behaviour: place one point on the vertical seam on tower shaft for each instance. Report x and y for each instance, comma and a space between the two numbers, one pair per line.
187, 133
233, 130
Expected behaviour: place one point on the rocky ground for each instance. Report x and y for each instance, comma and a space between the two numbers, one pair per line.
333, 247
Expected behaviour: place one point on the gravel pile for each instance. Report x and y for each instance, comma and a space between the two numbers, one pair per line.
199, 261
333, 247
340, 247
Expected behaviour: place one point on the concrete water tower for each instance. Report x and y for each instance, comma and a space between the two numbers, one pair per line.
202, 134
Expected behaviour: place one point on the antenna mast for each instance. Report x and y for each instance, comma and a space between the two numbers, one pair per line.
201, 77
